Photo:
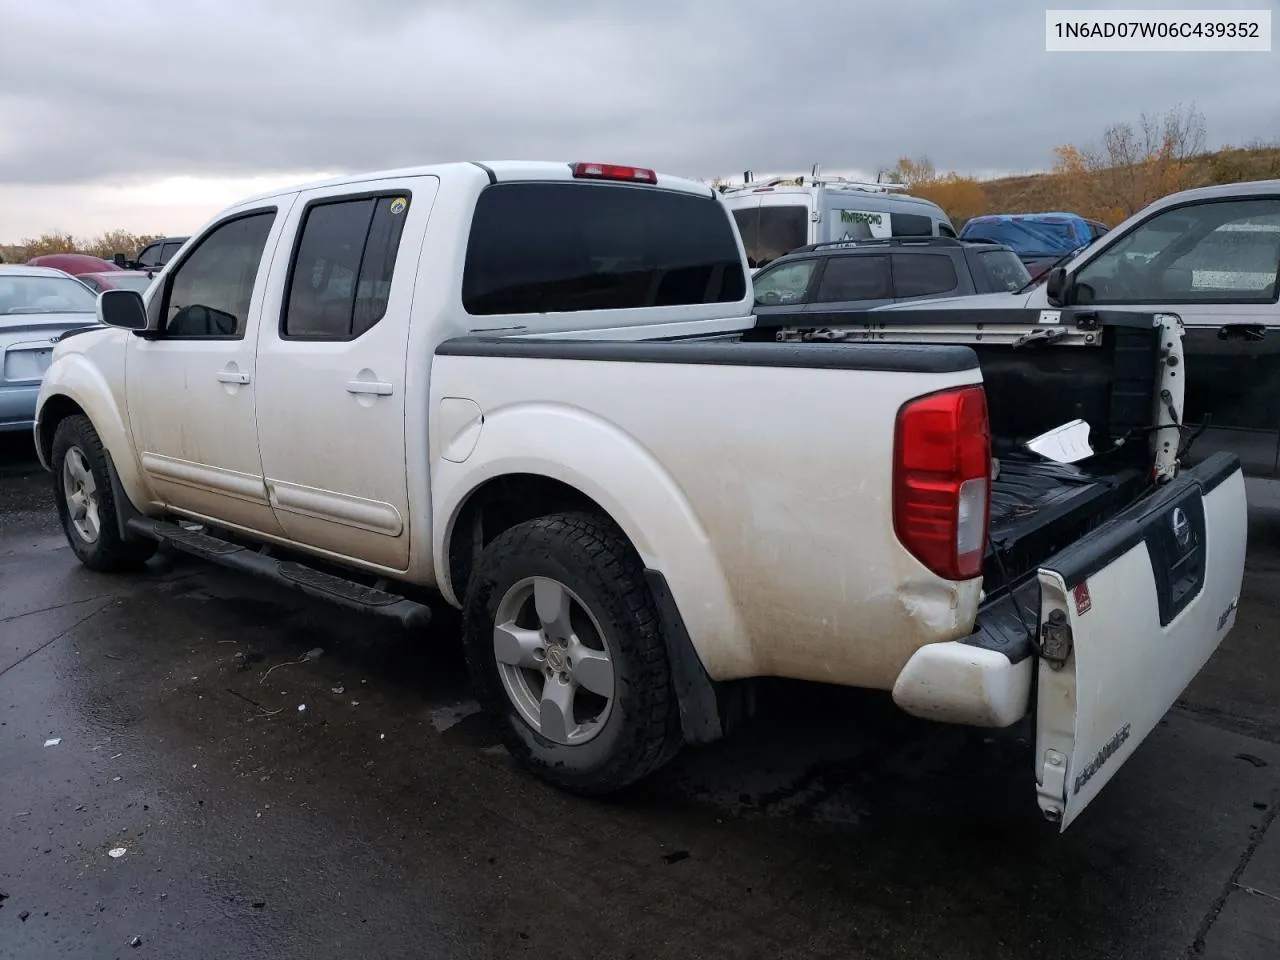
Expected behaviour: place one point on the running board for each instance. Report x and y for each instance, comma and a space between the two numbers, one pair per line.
312, 582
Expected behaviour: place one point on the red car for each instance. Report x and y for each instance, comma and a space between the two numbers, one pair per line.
116, 280
73, 263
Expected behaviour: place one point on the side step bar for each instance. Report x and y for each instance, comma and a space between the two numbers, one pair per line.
315, 583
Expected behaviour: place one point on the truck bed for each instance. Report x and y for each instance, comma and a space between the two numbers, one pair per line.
1039, 507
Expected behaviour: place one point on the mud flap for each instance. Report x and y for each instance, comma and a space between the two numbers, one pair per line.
1128, 616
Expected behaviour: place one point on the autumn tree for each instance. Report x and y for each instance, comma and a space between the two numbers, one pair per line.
911, 172
105, 245
1133, 164
961, 197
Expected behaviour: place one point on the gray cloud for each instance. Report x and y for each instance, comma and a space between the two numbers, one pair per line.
160, 88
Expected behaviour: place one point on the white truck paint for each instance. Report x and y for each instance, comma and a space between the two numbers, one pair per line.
709, 510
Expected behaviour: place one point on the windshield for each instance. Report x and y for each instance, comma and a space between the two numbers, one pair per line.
34, 294
1025, 237
769, 232
131, 283
1000, 271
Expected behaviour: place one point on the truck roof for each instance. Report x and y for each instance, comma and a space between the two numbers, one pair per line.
498, 171
1221, 191
863, 193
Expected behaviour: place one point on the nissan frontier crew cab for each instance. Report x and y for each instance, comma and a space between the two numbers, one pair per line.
537, 392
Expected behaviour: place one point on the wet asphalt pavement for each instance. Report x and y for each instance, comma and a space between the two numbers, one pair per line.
383, 820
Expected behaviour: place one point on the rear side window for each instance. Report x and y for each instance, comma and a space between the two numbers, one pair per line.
910, 225
341, 274
922, 274
562, 247
854, 278
168, 250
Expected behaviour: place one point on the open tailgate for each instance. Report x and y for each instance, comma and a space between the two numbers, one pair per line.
1128, 616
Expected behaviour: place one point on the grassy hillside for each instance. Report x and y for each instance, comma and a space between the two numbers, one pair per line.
1067, 191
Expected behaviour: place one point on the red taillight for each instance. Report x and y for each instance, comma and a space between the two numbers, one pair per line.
612, 171
942, 481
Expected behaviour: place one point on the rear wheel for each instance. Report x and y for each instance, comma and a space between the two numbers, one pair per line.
566, 654
86, 505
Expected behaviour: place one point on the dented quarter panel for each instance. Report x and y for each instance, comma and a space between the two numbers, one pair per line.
763, 494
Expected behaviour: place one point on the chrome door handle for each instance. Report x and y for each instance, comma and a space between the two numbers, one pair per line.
232, 376
379, 388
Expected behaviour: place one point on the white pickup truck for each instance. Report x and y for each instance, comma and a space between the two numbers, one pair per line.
529, 389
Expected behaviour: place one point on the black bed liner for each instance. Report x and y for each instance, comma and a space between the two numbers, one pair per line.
1039, 507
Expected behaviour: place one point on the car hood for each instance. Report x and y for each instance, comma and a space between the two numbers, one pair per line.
978, 301
16, 327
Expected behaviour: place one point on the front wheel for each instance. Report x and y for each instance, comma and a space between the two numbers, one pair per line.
567, 656
86, 505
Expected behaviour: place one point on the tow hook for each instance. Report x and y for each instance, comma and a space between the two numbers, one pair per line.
1055, 640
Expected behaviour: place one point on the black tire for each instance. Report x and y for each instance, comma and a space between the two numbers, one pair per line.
590, 556
107, 552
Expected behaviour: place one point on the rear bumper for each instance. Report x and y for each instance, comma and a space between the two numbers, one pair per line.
983, 680
18, 407
957, 682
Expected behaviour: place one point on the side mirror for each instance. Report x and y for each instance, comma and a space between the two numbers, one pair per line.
119, 260
123, 309
1055, 285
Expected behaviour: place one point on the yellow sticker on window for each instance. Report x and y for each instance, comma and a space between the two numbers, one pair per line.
398, 205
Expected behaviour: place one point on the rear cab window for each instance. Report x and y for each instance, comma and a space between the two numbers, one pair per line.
554, 246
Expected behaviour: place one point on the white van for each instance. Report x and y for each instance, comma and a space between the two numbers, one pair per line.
776, 216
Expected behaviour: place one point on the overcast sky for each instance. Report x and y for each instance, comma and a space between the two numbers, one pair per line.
150, 115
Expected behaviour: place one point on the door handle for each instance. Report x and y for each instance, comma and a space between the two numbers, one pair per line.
232, 376
379, 388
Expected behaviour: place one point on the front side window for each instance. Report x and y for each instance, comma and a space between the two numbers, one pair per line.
998, 271
209, 293
150, 255
555, 247
341, 275
923, 275
854, 278
785, 284
1222, 252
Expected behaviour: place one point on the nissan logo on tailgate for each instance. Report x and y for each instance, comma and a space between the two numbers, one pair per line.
1181, 527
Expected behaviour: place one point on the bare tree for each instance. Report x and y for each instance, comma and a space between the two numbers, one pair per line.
1136, 164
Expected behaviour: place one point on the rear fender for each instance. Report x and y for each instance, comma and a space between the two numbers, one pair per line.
595, 457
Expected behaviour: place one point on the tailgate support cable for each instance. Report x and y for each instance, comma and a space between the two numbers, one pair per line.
998, 549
